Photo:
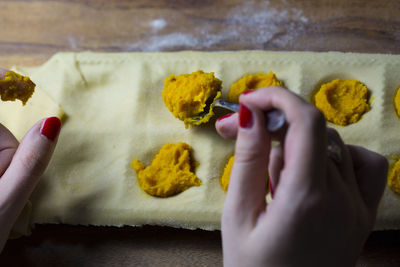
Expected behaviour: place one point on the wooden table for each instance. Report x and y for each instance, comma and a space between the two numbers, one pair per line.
31, 31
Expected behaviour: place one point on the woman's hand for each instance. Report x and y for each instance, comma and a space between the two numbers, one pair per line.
322, 210
21, 165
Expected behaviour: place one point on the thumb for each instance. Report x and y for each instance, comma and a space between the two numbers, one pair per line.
227, 126
28, 164
247, 187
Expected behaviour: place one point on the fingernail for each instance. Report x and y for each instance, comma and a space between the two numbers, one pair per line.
51, 127
245, 116
248, 92
271, 188
224, 117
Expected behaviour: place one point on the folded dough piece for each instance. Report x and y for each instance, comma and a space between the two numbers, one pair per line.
19, 119
116, 113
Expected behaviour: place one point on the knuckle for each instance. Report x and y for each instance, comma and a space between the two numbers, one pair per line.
332, 132
382, 164
227, 132
31, 161
314, 118
248, 155
229, 216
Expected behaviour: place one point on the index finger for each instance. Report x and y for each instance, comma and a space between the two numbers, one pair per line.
305, 141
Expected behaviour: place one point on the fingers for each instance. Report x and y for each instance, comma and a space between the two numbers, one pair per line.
345, 166
371, 174
275, 167
27, 165
247, 186
8, 146
227, 126
305, 139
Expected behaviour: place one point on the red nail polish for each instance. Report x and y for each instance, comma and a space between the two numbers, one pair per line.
245, 116
51, 128
224, 117
271, 189
248, 92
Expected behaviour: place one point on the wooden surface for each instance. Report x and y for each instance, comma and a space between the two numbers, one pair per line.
62, 245
32, 31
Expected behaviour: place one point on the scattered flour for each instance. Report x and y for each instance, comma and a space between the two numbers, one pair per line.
72, 42
252, 22
158, 24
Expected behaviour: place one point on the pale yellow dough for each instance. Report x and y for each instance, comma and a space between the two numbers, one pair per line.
116, 114
19, 119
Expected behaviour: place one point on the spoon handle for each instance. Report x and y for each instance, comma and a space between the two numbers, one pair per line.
274, 118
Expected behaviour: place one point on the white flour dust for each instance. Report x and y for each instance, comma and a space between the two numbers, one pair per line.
72, 42
158, 24
252, 23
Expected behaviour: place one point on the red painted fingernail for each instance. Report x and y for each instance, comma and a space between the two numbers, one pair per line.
248, 92
51, 127
224, 117
271, 189
245, 116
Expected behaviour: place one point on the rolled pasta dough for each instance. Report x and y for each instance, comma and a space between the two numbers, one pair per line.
115, 113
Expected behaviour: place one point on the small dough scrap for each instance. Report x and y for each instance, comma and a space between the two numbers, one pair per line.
15, 86
252, 82
342, 101
224, 180
394, 176
397, 102
170, 172
190, 96
19, 119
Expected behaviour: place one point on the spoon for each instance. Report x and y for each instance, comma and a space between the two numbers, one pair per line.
274, 118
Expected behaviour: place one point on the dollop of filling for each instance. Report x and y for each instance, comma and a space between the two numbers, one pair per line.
170, 172
394, 177
343, 101
224, 180
251, 82
189, 97
397, 102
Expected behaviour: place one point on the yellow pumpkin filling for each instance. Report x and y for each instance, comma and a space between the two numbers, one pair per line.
170, 172
342, 101
397, 102
394, 177
252, 82
224, 180
15, 86
226, 175
189, 97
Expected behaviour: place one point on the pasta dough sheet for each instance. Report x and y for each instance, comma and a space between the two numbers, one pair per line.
115, 113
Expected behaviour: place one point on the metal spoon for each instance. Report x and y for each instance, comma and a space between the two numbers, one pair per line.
274, 118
